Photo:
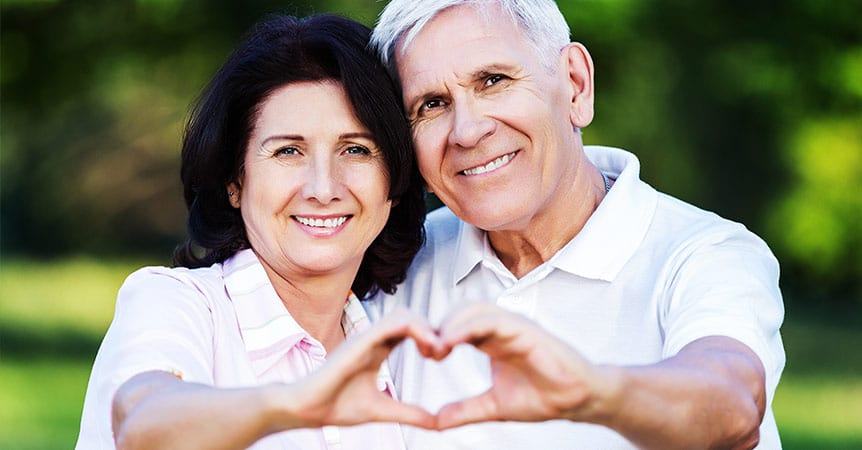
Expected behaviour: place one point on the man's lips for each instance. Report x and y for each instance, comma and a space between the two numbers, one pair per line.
491, 166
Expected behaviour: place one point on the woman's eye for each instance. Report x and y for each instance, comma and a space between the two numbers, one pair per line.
358, 150
287, 151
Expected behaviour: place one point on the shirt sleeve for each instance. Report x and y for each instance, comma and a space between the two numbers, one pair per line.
163, 321
728, 287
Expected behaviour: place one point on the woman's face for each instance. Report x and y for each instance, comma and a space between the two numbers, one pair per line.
314, 190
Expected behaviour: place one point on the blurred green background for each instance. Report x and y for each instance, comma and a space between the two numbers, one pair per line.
750, 109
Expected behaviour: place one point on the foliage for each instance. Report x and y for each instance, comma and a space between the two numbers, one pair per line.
95, 94
753, 111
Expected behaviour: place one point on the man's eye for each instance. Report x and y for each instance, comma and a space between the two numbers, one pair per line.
493, 79
358, 150
431, 104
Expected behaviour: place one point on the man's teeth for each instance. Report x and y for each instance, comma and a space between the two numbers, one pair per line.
491, 165
324, 223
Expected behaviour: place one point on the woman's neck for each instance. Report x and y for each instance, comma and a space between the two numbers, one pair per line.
316, 303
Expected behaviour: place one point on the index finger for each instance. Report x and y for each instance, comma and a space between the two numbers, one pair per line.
478, 323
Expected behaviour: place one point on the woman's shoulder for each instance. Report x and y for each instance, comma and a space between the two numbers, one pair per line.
172, 282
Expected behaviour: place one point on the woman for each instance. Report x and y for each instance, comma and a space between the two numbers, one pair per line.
303, 196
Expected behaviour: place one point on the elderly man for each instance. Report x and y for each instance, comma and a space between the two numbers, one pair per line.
600, 313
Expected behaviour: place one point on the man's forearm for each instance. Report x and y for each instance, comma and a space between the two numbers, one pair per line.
710, 395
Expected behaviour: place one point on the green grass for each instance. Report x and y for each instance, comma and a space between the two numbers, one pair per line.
42, 401
53, 316
818, 404
819, 412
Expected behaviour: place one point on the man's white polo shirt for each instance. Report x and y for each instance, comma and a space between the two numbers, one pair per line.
647, 275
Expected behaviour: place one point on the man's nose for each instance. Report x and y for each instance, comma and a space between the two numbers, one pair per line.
470, 124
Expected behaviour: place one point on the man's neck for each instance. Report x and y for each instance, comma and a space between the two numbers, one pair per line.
524, 249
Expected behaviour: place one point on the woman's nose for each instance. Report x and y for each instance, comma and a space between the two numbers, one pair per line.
322, 182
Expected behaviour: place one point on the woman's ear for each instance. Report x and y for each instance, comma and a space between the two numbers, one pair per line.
578, 65
233, 194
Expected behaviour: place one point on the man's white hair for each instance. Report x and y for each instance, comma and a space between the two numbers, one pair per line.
540, 21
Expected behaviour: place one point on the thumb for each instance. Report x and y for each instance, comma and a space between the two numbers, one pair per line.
480, 408
395, 411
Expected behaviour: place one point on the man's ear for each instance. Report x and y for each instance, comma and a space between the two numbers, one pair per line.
233, 194
578, 65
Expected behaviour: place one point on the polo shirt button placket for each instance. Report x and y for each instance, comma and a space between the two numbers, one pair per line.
516, 303
332, 436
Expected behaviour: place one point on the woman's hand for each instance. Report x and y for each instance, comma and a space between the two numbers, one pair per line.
158, 410
345, 390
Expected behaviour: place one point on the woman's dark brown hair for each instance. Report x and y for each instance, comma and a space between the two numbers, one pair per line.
276, 52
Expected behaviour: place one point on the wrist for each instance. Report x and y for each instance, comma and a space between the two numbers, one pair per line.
281, 408
605, 397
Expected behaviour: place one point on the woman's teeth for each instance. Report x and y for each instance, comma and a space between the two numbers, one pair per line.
322, 223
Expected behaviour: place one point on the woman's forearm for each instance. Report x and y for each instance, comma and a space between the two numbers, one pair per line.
158, 410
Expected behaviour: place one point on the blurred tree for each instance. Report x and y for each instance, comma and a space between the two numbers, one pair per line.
753, 110
95, 94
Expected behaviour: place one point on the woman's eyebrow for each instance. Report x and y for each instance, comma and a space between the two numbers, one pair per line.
282, 137
357, 134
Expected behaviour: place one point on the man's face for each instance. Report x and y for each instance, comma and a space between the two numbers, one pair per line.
493, 126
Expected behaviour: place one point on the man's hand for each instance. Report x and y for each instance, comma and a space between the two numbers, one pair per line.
535, 376
709, 395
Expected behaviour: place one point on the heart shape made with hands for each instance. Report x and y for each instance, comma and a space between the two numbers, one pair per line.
535, 376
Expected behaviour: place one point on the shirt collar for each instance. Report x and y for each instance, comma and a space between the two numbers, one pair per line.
268, 330
354, 320
618, 226
470, 251
609, 238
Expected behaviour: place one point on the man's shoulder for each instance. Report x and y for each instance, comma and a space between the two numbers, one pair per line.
430, 268
442, 221
682, 225
681, 214
442, 226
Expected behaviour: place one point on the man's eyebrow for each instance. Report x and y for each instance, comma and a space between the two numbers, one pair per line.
476, 75
491, 69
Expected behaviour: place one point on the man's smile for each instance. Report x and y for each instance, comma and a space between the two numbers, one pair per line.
491, 166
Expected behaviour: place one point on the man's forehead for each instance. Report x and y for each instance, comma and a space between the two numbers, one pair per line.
458, 51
